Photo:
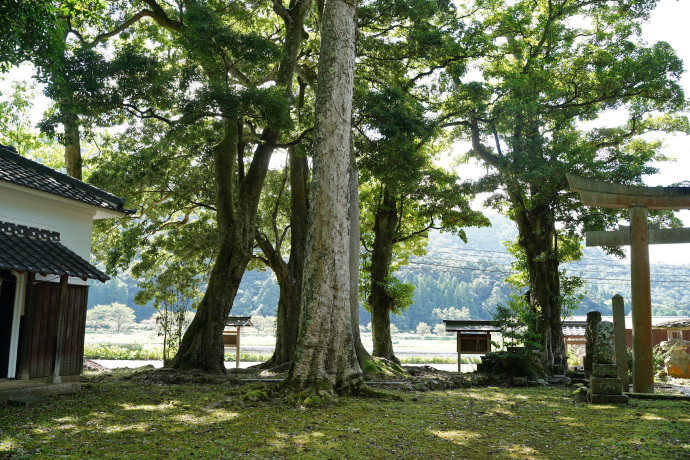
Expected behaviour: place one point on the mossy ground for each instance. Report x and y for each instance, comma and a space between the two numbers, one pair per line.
126, 415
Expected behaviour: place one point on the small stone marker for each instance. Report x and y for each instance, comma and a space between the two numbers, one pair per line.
593, 319
620, 343
604, 383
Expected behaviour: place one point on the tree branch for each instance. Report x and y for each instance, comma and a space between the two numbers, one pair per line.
280, 10
479, 148
295, 142
148, 113
156, 13
417, 233
179, 223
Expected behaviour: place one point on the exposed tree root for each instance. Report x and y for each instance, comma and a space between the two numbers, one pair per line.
382, 369
280, 368
320, 393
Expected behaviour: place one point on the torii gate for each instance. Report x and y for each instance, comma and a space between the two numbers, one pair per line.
638, 199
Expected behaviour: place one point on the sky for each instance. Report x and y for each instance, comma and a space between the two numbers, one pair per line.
669, 23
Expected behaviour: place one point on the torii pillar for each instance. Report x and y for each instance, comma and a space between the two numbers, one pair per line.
638, 200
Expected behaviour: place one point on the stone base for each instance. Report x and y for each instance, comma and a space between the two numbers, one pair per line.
559, 369
678, 365
678, 371
604, 370
587, 366
605, 386
19, 390
607, 399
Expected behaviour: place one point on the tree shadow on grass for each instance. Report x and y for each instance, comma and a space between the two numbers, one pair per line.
120, 416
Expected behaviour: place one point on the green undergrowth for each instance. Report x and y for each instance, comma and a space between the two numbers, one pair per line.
125, 414
113, 351
139, 352
155, 353
438, 360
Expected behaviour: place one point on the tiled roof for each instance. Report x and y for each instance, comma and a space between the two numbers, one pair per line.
677, 323
35, 250
576, 325
241, 321
22, 171
570, 331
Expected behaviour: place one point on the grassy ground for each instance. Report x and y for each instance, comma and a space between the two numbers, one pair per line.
124, 415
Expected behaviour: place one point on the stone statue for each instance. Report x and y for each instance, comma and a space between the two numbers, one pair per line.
603, 348
604, 384
593, 319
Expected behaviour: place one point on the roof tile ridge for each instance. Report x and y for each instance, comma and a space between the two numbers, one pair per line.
69, 180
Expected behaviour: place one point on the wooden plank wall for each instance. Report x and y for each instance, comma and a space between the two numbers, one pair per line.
41, 340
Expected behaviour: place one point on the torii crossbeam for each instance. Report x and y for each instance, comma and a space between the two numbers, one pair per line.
638, 200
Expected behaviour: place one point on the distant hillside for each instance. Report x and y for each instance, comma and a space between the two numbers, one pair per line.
455, 274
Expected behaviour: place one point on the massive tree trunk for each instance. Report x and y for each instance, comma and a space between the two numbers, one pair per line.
325, 354
380, 302
536, 238
202, 346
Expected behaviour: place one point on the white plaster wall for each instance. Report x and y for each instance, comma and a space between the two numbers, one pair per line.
71, 219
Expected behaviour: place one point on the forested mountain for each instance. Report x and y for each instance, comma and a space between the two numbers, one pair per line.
455, 274
120, 289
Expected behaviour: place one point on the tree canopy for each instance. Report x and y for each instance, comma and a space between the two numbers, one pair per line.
551, 70
204, 92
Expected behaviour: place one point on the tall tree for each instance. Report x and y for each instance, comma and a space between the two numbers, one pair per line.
39, 32
325, 354
201, 346
233, 81
400, 117
555, 67
397, 223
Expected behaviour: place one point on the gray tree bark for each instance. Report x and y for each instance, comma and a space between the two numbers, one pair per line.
72, 141
536, 238
325, 354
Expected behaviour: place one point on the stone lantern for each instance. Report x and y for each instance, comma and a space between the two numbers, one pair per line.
678, 362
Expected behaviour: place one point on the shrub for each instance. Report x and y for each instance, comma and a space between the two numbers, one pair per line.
113, 351
264, 325
440, 329
423, 329
518, 362
116, 316
658, 357
138, 352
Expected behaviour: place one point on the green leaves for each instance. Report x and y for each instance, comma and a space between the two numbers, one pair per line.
27, 31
